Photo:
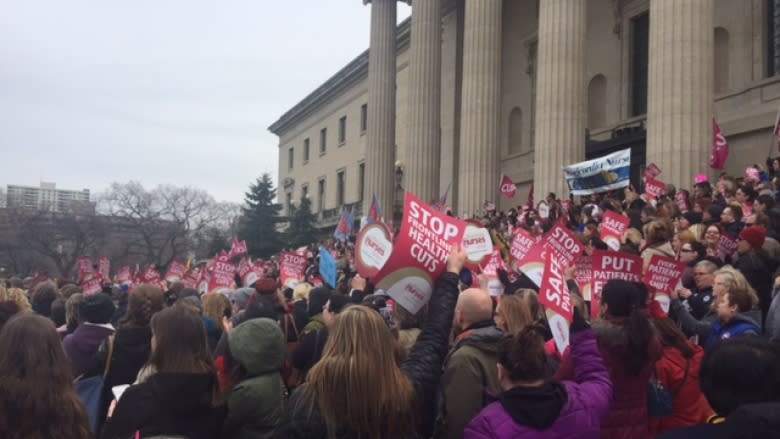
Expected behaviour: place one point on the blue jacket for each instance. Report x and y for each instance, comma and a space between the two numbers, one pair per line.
741, 324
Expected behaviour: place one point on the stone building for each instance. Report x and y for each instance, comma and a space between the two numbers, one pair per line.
466, 90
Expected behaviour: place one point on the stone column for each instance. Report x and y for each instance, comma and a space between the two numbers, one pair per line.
478, 169
560, 93
380, 130
422, 169
680, 90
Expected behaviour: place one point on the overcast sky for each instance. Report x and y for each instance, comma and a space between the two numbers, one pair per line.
161, 91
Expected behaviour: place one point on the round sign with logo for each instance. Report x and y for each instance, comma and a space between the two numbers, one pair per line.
373, 247
477, 243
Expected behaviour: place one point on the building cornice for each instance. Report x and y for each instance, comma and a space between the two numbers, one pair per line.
336, 85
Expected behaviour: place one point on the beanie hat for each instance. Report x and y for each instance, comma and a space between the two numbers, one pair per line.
241, 296
692, 217
97, 308
702, 179
266, 285
318, 297
754, 235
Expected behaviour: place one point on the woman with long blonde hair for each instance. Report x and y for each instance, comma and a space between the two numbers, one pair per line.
516, 311
358, 390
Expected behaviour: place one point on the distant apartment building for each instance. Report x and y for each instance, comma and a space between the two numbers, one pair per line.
47, 197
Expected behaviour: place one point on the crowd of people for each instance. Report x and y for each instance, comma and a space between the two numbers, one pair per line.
265, 361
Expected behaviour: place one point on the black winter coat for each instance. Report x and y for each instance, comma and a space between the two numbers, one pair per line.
758, 270
167, 404
422, 366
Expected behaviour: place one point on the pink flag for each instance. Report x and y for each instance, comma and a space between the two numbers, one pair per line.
507, 187
720, 148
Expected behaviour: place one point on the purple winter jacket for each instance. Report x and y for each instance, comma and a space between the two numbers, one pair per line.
587, 402
81, 346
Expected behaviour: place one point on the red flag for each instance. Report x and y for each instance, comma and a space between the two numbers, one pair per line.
720, 148
237, 248
507, 187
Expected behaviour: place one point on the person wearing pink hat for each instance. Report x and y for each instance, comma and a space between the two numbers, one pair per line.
756, 264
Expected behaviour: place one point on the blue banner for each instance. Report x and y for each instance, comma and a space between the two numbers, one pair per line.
328, 267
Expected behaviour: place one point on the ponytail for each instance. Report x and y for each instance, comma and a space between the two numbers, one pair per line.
640, 335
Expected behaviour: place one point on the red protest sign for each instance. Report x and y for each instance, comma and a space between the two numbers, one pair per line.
490, 270
663, 274
558, 239
654, 188
726, 246
92, 286
175, 271
522, 242
237, 248
583, 276
420, 254
191, 279
652, 171
507, 187
104, 266
373, 248
612, 228
124, 276
292, 269
554, 296
85, 267
222, 275
151, 275
612, 265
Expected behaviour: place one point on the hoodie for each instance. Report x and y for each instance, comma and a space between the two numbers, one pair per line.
469, 371
255, 403
82, 346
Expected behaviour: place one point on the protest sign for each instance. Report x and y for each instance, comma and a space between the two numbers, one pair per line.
599, 175
558, 239
583, 276
237, 248
124, 276
554, 296
612, 265
151, 275
654, 188
477, 243
652, 171
490, 270
92, 286
104, 267
84, 265
292, 269
222, 275
328, 267
373, 248
663, 274
252, 273
507, 187
613, 225
191, 279
522, 243
726, 246
175, 271
420, 254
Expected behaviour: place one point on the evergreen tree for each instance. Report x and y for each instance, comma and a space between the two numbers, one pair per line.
301, 230
260, 216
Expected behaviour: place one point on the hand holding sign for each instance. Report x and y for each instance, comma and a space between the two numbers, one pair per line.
456, 260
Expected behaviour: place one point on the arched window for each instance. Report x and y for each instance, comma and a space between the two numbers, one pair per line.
516, 131
722, 65
597, 102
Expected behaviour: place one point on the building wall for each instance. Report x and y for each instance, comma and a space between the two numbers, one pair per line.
745, 105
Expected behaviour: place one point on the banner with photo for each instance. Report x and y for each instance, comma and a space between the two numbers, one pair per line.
599, 175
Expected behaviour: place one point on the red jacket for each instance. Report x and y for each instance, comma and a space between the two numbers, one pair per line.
690, 405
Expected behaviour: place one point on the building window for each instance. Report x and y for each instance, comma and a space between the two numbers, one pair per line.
288, 203
323, 141
343, 130
722, 64
363, 118
597, 102
304, 191
639, 62
305, 150
516, 131
361, 180
290, 158
340, 183
321, 195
